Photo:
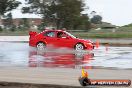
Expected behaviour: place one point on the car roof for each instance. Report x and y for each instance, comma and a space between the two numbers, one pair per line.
55, 30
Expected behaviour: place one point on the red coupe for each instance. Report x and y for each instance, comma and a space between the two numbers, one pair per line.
58, 38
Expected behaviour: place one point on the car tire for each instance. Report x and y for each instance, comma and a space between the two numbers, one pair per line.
79, 46
41, 46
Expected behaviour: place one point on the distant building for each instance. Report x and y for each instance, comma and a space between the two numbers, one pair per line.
104, 25
33, 21
1, 23
17, 21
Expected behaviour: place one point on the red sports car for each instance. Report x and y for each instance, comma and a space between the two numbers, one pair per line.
58, 38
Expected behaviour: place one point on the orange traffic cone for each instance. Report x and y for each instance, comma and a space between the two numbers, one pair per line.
97, 44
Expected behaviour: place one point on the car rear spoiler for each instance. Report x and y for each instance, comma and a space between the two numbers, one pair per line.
32, 34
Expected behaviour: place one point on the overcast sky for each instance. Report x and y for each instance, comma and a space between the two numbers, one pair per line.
118, 12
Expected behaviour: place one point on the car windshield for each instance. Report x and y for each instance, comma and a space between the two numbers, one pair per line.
70, 35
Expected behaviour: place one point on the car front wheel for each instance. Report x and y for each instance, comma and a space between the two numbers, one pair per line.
79, 46
41, 46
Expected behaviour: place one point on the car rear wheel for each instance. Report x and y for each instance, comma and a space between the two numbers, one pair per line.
79, 46
41, 46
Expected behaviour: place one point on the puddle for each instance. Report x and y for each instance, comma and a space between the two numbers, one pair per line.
21, 55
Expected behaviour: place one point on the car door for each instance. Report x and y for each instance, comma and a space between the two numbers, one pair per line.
64, 40
50, 38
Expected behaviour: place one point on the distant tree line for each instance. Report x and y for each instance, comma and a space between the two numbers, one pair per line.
7, 6
58, 13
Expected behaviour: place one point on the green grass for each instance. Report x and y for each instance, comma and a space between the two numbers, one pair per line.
103, 35
122, 32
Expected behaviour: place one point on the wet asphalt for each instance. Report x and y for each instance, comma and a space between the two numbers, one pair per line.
18, 54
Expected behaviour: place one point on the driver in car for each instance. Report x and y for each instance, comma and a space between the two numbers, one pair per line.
59, 34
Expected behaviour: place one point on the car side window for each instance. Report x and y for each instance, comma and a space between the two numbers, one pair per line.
59, 34
50, 34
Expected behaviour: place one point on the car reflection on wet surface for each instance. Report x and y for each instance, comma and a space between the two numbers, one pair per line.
21, 55
55, 59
